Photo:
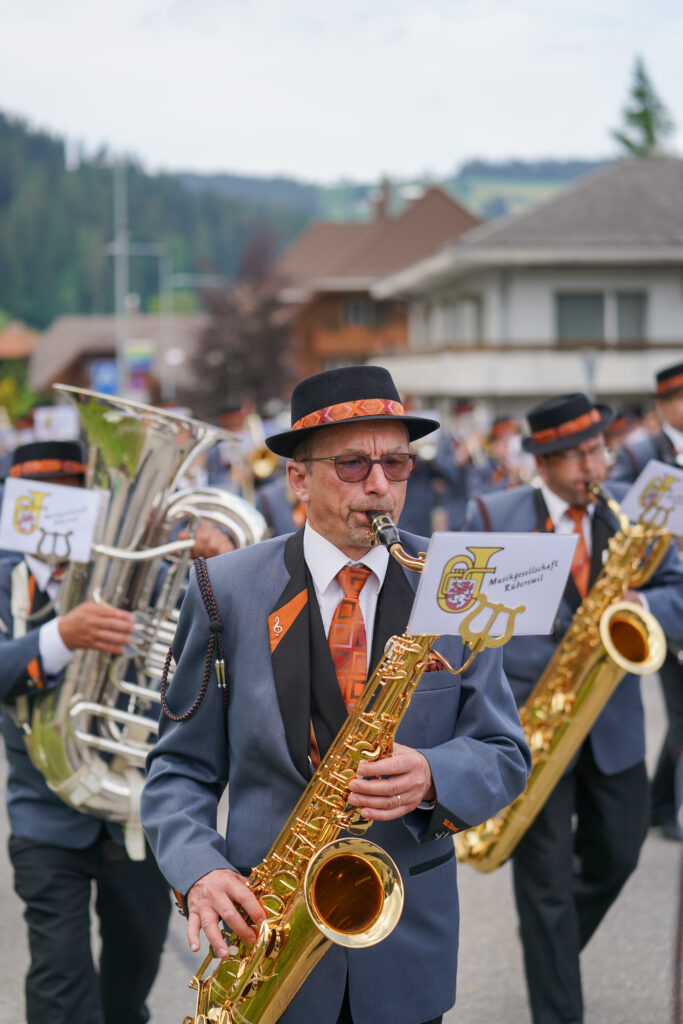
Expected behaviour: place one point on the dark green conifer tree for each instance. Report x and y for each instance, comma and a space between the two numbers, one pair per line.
647, 122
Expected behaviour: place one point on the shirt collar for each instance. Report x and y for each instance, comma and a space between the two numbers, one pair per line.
557, 506
675, 436
324, 560
41, 572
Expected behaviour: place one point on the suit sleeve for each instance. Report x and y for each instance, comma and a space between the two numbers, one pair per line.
187, 770
664, 594
625, 468
473, 521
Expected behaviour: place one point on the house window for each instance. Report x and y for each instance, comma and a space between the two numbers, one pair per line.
468, 319
631, 312
380, 314
356, 310
580, 316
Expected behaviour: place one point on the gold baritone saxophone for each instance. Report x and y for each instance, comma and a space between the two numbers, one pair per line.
608, 637
315, 887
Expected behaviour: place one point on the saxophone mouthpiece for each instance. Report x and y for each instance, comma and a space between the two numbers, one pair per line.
383, 529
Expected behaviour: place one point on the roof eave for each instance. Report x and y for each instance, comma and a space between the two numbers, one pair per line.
458, 260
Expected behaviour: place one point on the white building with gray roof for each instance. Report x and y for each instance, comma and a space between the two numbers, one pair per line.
582, 292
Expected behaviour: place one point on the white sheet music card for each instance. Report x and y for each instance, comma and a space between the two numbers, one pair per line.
523, 575
46, 519
656, 497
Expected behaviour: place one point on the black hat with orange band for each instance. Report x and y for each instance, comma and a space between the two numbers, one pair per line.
40, 459
349, 394
669, 381
564, 422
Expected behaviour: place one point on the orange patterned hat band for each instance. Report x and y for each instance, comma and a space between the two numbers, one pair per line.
363, 407
568, 428
48, 467
670, 384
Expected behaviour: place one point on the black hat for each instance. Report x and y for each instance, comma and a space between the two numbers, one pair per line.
345, 395
563, 422
669, 381
49, 459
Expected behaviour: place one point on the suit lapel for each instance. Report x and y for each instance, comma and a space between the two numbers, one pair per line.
571, 595
305, 681
602, 528
393, 609
288, 629
328, 711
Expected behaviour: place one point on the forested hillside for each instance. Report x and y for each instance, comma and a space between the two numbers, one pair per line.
56, 222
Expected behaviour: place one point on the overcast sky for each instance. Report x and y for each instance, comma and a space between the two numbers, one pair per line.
324, 90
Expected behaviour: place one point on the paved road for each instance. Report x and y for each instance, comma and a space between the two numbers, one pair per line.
627, 968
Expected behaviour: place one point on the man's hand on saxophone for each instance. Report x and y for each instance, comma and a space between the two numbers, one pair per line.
393, 786
218, 896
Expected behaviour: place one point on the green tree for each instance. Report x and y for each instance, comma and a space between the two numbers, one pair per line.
15, 394
243, 353
647, 122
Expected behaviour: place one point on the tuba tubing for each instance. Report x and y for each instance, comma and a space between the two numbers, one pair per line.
89, 737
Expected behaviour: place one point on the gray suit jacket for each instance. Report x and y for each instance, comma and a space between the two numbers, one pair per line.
467, 727
633, 458
618, 736
35, 812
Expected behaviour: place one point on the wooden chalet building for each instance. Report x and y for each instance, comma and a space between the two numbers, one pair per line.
329, 270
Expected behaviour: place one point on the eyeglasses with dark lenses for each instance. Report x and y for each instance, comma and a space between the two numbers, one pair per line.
397, 466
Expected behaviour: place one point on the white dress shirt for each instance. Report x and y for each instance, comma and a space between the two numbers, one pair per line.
324, 561
562, 522
676, 438
54, 653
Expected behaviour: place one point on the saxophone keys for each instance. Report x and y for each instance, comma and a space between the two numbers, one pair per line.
562, 704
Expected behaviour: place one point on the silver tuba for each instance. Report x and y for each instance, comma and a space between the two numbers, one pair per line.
90, 736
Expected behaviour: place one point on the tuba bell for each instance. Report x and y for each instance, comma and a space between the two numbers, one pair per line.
90, 736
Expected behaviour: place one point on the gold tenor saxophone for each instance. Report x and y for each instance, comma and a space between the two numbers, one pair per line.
318, 888
608, 637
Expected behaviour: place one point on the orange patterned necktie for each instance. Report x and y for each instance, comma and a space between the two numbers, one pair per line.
581, 565
346, 638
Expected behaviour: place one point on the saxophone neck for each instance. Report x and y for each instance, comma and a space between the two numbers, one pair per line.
601, 495
384, 531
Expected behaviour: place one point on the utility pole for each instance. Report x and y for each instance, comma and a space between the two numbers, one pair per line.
120, 252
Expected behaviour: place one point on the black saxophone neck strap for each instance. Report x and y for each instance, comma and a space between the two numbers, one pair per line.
215, 653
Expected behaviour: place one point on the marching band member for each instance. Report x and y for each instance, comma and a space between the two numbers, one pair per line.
57, 853
666, 446
460, 752
565, 880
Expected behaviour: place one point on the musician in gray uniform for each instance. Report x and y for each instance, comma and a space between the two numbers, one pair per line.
666, 446
57, 853
566, 878
459, 754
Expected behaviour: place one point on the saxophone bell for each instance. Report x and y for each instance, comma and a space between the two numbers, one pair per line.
354, 892
608, 637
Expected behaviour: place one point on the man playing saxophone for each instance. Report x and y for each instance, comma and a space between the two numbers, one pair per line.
566, 877
305, 617
666, 791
